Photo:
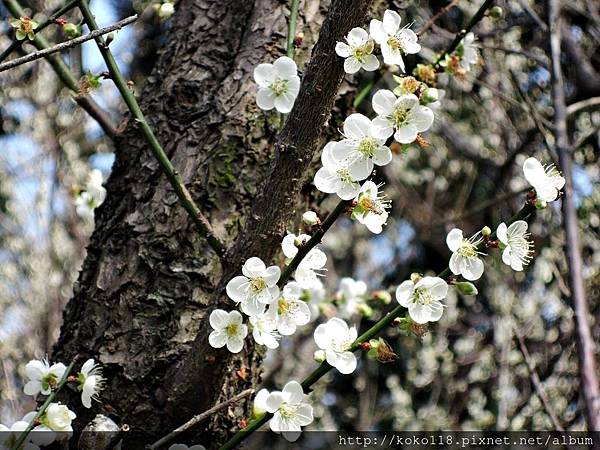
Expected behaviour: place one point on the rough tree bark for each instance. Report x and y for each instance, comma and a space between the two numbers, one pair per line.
149, 281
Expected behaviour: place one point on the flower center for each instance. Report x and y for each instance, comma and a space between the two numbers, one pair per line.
342, 345
394, 43
288, 411
279, 87
363, 50
371, 205
367, 146
257, 284
400, 117
232, 330
467, 249
422, 296
26, 25
344, 174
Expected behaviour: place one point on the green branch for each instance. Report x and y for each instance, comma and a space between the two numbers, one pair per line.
324, 368
44, 407
291, 36
174, 178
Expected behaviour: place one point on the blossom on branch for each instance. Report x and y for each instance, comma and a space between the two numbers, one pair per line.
264, 330
423, 298
290, 410
291, 242
228, 330
362, 147
546, 180
334, 177
358, 52
42, 376
256, 288
403, 114
278, 84
289, 310
91, 382
394, 41
465, 256
517, 246
308, 270
336, 338
371, 208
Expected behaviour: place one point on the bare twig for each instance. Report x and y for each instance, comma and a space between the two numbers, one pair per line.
587, 367
537, 383
435, 18
185, 198
199, 418
583, 104
66, 45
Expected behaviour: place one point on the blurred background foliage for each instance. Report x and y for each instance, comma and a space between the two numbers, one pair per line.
469, 371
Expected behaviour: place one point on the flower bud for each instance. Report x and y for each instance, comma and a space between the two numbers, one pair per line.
365, 310
496, 12
430, 95
310, 218
166, 10
71, 30
486, 231
382, 296
466, 288
415, 277
319, 356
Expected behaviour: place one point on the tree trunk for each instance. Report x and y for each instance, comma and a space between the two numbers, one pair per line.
149, 280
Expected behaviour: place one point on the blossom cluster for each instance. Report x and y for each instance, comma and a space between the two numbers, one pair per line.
91, 197
54, 422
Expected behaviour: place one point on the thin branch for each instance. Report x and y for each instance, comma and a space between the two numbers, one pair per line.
291, 36
587, 367
324, 368
199, 418
462, 33
52, 19
66, 45
537, 383
44, 407
85, 101
172, 175
583, 140
583, 104
437, 16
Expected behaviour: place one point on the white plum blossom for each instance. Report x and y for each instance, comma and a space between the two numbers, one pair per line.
59, 418
91, 382
469, 55
336, 339
289, 310
92, 197
314, 297
306, 273
291, 410
260, 402
370, 209
350, 296
256, 288
465, 256
334, 177
361, 148
517, 246
403, 114
358, 52
42, 376
185, 447
278, 84
546, 180
228, 330
423, 298
264, 330
393, 39
291, 242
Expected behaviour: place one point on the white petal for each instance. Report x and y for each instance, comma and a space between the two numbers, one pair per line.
419, 313
285, 67
377, 32
284, 102
357, 126
340, 151
422, 118
292, 290
507, 256
473, 269
370, 63
327, 181
288, 246
272, 275
501, 233
343, 49
218, 319
406, 134
409, 41
382, 128
357, 37
346, 363
347, 191
352, 65
252, 307
382, 156
32, 387
392, 56
217, 339
391, 21
404, 293
254, 267
454, 239
236, 288
383, 102
361, 168
436, 286
322, 336
534, 172
36, 370
294, 86
235, 345
264, 75
293, 392
265, 99
518, 228
304, 414
274, 401
455, 263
